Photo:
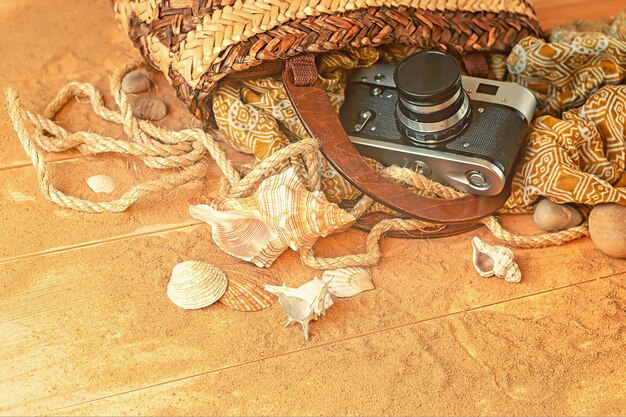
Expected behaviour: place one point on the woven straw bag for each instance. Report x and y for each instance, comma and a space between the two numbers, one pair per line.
198, 43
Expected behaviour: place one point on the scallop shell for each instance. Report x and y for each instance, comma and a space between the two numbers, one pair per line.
347, 282
303, 304
495, 260
101, 184
282, 213
196, 284
245, 290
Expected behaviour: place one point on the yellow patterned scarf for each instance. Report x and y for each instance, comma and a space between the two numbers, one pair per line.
578, 156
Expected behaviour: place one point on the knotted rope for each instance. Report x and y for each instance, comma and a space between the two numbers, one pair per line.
185, 150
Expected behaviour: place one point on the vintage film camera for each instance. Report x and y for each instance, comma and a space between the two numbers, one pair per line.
461, 131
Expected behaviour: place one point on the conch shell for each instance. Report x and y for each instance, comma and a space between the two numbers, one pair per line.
196, 284
346, 282
495, 260
281, 214
303, 304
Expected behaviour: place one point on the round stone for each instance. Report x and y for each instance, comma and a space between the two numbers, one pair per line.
135, 82
553, 216
607, 228
149, 108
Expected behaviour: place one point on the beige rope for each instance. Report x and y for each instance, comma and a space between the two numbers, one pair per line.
372, 254
164, 183
184, 151
157, 147
534, 241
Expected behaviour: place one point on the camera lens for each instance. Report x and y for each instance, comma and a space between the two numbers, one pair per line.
432, 105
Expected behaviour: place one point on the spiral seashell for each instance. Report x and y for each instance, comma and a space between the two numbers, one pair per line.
495, 260
303, 304
299, 217
101, 184
347, 282
196, 284
239, 233
245, 290
282, 213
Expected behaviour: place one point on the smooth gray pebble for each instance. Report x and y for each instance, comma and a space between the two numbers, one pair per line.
135, 82
149, 108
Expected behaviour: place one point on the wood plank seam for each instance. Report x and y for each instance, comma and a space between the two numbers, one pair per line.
52, 160
189, 224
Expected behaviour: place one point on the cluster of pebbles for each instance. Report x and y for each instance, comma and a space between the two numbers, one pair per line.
145, 108
607, 223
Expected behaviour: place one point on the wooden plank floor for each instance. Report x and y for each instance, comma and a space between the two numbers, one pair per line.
86, 327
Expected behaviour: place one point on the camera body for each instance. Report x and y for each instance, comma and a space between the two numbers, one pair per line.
462, 131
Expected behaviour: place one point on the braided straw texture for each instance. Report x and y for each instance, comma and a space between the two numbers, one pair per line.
195, 43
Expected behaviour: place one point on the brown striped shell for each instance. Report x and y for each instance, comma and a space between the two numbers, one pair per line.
245, 290
282, 213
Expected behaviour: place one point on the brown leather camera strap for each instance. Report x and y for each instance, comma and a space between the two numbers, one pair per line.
319, 118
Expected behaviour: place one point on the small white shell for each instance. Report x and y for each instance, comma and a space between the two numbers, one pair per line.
495, 260
303, 304
347, 282
196, 284
101, 184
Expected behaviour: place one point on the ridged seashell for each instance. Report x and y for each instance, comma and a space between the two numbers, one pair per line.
196, 284
245, 290
282, 213
347, 282
303, 304
495, 260
101, 184
241, 234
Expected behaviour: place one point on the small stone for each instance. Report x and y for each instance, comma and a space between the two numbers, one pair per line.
553, 216
135, 82
149, 108
607, 228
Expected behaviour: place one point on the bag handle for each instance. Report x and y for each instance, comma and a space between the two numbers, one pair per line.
312, 105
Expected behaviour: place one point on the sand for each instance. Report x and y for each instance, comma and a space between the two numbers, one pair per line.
86, 327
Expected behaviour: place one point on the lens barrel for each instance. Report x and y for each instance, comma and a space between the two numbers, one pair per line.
432, 105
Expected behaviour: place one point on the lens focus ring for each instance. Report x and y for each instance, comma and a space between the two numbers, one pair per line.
432, 105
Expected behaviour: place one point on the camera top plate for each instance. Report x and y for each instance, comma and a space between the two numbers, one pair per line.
501, 93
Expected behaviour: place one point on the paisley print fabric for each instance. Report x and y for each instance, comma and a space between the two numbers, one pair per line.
577, 145
254, 115
579, 158
577, 155
566, 71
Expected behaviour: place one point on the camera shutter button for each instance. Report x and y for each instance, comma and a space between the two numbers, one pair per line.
477, 179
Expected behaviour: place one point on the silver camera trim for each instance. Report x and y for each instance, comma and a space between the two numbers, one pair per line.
430, 109
435, 126
509, 94
439, 162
